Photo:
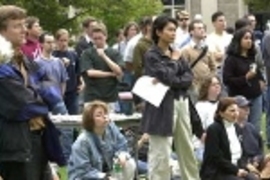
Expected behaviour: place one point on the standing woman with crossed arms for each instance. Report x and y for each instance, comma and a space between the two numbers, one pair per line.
165, 65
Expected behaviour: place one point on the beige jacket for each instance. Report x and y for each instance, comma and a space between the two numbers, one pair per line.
205, 67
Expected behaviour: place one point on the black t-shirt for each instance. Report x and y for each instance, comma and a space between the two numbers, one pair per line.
104, 89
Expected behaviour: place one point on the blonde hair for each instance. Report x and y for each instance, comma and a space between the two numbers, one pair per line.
61, 32
100, 27
182, 13
10, 12
88, 121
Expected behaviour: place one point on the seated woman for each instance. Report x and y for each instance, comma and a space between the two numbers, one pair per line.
253, 156
206, 107
97, 147
222, 146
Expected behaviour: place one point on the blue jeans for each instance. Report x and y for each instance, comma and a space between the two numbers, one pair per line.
142, 167
256, 112
59, 108
126, 107
72, 103
66, 138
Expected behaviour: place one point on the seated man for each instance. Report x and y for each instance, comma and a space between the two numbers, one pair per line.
253, 157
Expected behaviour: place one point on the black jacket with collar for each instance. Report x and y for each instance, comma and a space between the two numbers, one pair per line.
178, 76
82, 45
217, 154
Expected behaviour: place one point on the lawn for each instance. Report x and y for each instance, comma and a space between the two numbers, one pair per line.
263, 128
63, 173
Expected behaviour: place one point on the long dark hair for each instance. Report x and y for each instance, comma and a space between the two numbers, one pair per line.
159, 24
235, 45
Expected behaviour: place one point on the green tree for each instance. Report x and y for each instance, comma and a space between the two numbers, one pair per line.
53, 14
259, 5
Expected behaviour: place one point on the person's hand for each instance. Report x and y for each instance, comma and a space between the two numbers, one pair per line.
144, 138
36, 123
267, 157
155, 81
66, 61
101, 52
81, 86
250, 75
176, 54
252, 169
203, 138
219, 56
242, 173
262, 85
55, 177
140, 107
1, 178
122, 159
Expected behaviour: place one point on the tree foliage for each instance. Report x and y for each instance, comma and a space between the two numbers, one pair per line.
53, 14
259, 5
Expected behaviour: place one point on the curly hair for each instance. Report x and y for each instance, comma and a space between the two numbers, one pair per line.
204, 86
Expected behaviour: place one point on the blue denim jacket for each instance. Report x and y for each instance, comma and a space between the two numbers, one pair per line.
89, 152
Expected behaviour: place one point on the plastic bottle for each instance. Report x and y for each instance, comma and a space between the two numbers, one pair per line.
117, 170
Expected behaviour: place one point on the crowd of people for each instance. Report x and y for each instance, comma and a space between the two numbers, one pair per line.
209, 120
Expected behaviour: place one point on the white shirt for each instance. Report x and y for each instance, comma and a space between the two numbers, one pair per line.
206, 110
218, 43
120, 47
115, 46
87, 38
194, 45
181, 37
128, 54
235, 146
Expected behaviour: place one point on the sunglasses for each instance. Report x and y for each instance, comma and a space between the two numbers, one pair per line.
183, 19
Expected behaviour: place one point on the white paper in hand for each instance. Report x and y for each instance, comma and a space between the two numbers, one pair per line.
150, 92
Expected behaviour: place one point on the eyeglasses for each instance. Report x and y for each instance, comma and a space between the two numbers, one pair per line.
183, 19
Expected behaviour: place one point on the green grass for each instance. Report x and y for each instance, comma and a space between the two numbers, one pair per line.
63, 173
263, 128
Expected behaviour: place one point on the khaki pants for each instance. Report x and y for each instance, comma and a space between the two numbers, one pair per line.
160, 148
194, 93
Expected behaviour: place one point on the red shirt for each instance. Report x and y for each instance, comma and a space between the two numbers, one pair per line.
31, 49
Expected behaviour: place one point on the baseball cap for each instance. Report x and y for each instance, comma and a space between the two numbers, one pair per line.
241, 101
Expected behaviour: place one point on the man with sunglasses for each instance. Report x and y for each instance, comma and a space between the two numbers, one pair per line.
182, 33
